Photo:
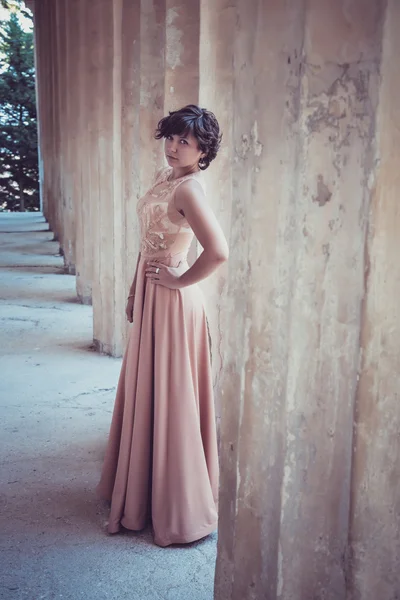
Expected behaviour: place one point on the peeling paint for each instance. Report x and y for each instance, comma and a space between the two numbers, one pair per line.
244, 146
323, 193
174, 47
250, 143
257, 145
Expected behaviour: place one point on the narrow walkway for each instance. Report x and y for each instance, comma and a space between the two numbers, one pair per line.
56, 399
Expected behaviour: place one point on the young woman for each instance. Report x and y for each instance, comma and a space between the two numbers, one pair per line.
161, 463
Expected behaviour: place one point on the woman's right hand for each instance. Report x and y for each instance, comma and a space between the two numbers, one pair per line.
129, 309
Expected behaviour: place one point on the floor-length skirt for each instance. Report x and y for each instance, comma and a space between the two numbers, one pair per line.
161, 462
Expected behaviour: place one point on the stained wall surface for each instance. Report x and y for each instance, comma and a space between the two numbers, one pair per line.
304, 319
310, 457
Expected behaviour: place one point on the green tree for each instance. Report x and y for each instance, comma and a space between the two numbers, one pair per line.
19, 187
16, 6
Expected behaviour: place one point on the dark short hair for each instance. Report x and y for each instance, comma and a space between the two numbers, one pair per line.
201, 122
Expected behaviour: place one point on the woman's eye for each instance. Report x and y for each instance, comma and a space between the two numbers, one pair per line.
184, 141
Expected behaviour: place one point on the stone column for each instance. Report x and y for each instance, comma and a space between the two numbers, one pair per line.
103, 205
69, 166
81, 154
268, 39
55, 116
152, 86
62, 167
340, 84
130, 153
41, 80
117, 265
45, 97
39, 84
216, 93
139, 47
114, 216
375, 503
302, 187
91, 176
182, 46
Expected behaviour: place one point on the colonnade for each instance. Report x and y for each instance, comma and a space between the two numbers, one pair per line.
305, 319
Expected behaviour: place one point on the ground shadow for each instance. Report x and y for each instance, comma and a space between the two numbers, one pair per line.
71, 506
41, 269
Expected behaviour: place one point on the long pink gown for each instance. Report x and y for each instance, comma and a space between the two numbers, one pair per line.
161, 462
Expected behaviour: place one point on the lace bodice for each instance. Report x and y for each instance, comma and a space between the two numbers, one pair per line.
164, 231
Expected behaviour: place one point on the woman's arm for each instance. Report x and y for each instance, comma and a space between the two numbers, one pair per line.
190, 201
131, 296
133, 285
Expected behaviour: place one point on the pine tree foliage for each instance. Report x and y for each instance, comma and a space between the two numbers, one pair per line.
16, 5
19, 187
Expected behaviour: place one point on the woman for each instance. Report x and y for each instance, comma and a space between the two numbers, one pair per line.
161, 462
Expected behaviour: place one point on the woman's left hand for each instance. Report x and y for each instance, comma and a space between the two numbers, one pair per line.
162, 275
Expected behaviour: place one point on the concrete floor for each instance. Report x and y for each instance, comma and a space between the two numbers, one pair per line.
56, 399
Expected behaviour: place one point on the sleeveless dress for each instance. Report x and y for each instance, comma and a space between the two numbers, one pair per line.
161, 462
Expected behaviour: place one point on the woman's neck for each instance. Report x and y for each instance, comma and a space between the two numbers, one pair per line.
177, 173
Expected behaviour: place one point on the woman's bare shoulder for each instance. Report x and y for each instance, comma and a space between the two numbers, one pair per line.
191, 187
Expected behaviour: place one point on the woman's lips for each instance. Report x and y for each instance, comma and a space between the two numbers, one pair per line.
171, 157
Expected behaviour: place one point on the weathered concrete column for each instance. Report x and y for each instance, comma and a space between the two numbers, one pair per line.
87, 213
306, 511
64, 113
129, 51
182, 47
39, 84
337, 125
130, 153
103, 205
375, 505
70, 168
182, 63
44, 59
138, 84
42, 85
152, 87
53, 157
216, 93
80, 168
264, 178
114, 220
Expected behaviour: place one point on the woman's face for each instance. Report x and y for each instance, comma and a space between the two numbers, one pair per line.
182, 150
